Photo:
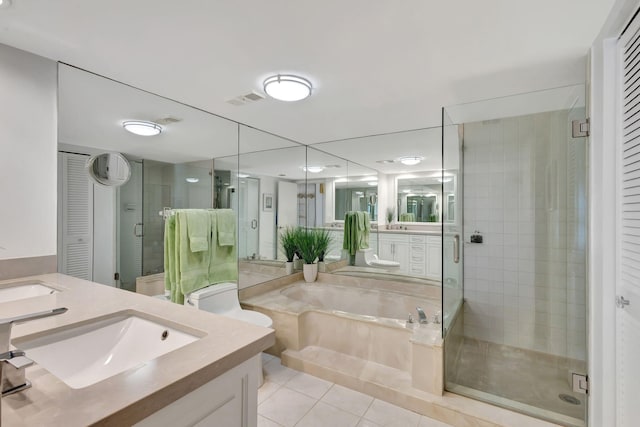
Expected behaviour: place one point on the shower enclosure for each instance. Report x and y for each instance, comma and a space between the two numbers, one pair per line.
514, 252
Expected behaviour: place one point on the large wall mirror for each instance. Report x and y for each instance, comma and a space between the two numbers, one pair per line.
200, 160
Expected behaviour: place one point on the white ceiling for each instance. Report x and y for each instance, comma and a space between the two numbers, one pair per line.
377, 66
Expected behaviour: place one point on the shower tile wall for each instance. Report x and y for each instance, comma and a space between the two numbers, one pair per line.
525, 285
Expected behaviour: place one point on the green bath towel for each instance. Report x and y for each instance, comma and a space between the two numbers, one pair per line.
223, 265
193, 266
226, 227
199, 229
170, 267
356, 231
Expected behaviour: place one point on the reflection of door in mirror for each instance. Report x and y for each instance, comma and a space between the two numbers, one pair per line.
249, 214
130, 229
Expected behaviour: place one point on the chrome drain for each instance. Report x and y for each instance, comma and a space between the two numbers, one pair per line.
569, 399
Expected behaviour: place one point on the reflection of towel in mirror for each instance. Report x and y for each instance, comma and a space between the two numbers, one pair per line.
356, 231
199, 229
223, 265
226, 227
407, 217
170, 264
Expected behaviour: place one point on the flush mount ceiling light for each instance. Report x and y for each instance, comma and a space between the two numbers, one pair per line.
287, 87
313, 169
192, 180
410, 160
142, 128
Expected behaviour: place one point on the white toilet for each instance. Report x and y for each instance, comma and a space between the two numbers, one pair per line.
366, 258
222, 299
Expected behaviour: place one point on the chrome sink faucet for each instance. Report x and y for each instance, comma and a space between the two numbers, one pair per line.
422, 318
13, 363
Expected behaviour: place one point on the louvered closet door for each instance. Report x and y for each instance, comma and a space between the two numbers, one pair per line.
77, 217
628, 280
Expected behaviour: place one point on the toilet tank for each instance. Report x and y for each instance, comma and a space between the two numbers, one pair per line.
218, 298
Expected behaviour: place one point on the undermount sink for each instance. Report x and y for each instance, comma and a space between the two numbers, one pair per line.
86, 354
18, 291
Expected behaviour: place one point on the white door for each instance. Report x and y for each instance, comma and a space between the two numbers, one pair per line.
628, 269
75, 200
287, 215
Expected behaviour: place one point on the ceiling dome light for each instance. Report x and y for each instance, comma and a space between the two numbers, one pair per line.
192, 180
313, 169
286, 87
142, 128
410, 160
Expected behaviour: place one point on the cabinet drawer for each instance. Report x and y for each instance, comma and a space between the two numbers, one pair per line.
434, 240
417, 257
417, 248
417, 239
417, 269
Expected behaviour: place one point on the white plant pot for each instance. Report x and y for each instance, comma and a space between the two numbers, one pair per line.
288, 267
310, 272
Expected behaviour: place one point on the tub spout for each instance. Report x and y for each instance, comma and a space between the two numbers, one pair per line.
421, 316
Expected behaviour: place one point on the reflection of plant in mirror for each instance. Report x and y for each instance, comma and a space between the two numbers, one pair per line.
288, 240
324, 240
308, 245
390, 214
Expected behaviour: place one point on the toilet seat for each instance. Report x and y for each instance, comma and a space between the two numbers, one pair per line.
250, 316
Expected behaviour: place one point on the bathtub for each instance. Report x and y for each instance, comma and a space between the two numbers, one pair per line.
355, 332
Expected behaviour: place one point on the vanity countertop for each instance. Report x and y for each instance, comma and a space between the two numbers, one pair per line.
383, 230
128, 397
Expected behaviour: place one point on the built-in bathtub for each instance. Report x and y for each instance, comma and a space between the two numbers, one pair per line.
356, 332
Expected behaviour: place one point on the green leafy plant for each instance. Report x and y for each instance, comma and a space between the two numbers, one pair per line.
308, 247
323, 239
390, 214
288, 241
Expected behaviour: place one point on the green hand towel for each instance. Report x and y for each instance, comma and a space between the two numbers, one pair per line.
193, 266
223, 261
199, 229
226, 227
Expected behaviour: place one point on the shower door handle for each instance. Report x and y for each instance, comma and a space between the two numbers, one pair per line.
254, 224
456, 248
135, 230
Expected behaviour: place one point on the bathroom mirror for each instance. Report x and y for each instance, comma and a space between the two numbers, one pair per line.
419, 198
108, 169
115, 235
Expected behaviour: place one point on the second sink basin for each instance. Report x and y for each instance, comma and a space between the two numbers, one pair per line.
84, 355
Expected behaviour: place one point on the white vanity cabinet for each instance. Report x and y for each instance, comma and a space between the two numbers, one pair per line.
419, 255
231, 400
395, 247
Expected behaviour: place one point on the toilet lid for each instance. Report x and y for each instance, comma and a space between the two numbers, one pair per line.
251, 317
385, 263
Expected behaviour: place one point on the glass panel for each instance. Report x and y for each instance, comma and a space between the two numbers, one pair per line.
130, 228
270, 184
524, 193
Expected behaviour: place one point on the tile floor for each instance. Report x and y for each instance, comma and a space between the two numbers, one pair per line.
290, 398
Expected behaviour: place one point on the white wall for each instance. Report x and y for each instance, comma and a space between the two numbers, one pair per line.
28, 127
523, 184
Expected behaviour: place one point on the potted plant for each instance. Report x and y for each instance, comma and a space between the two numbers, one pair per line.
307, 243
323, 238
390, 214
288, 243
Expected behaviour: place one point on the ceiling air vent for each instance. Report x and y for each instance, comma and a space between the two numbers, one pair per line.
252, 96
167, 121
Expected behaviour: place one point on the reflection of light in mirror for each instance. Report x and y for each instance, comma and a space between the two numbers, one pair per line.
313, 169
373, 183
406, 191
407, 176
444, 179
341, 180
192, 180
410, 160
243, 175
370, 178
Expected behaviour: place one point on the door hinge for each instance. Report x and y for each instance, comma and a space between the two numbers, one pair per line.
580, 383
580, 128
621, 301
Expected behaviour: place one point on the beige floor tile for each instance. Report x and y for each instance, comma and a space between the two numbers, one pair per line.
367, 423
348, 400
266, 357
275, 372
266, 422
324, 415
267, 389
430, 422
309, 385
286, 407
388, 415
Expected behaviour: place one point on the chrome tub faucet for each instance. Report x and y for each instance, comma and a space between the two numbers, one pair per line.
422, 318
